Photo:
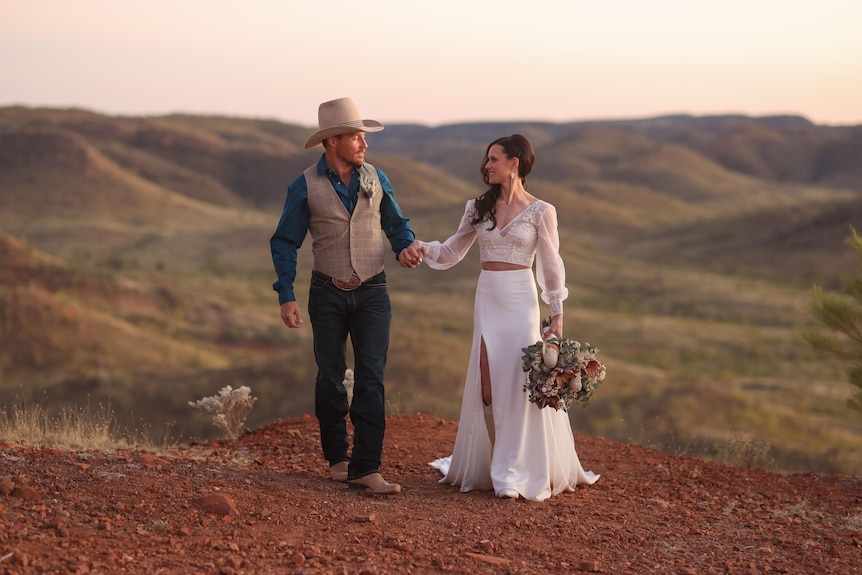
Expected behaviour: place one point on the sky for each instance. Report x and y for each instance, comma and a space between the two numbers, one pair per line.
437, 62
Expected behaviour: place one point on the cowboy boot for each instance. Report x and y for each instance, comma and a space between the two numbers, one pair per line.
339, 471
376, 484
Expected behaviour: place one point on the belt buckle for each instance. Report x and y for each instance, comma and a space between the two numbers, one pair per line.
349, 285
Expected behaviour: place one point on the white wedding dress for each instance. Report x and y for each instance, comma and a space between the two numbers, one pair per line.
534, 451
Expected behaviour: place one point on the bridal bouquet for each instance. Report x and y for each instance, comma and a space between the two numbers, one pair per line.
561, 372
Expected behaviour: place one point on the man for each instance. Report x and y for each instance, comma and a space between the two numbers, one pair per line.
349, 208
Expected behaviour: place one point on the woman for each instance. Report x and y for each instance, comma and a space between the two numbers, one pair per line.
504, 442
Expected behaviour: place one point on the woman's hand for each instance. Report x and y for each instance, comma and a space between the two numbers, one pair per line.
556, 327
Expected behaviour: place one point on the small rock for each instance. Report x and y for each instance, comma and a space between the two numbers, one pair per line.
21, 558
6, 487
26, 493
150, 460
490, 559
217, 504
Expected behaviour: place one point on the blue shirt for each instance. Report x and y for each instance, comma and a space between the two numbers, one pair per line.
293, 225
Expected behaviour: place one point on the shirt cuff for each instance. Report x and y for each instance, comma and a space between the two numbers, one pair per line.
556, 307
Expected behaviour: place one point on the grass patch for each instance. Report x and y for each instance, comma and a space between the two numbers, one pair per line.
853, 522
745, 453
72, 428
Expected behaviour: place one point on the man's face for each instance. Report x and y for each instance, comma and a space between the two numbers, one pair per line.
350, 148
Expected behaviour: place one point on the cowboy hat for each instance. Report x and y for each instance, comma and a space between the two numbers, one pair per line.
337, 117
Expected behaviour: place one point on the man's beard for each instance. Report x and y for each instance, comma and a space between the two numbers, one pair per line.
355, 160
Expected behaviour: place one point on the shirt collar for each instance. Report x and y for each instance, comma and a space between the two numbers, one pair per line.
322, 166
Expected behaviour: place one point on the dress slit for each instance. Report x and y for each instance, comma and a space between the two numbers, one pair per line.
483, 351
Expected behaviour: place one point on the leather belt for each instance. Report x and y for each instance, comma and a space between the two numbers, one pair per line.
350, 285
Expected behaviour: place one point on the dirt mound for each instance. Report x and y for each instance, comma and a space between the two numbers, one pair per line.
265, 504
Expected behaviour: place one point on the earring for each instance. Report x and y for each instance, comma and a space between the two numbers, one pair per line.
512, 175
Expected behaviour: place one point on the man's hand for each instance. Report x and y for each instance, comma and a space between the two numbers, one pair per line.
412, 255
290, 314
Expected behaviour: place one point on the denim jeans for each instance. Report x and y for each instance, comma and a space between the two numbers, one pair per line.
364, 314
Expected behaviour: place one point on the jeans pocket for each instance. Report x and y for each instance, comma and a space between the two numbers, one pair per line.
318, 282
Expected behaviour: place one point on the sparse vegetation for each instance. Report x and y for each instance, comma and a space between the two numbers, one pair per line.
745, 453
843, 317
159, 526
853, 522
83, 428
229, 408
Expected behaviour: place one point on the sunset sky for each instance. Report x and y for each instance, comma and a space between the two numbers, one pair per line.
436, 62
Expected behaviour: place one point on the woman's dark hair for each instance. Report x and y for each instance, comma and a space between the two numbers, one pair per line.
514, 146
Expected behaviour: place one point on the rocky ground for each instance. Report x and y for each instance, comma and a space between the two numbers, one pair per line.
264, 504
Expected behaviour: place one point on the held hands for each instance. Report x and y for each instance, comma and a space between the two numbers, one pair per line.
412, 255
290, 314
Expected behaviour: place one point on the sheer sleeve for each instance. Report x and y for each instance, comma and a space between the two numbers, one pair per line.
441, 256
550, 271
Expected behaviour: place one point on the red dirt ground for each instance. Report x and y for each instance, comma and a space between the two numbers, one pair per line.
265, 504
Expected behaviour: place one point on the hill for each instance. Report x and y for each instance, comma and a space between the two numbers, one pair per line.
142, 275
265, 504
774, 148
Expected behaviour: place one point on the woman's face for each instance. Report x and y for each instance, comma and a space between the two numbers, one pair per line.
498, 168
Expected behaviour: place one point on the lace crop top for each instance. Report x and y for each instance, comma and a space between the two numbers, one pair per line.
530, 235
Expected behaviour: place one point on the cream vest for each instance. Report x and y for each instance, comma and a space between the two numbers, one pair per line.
342, 243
